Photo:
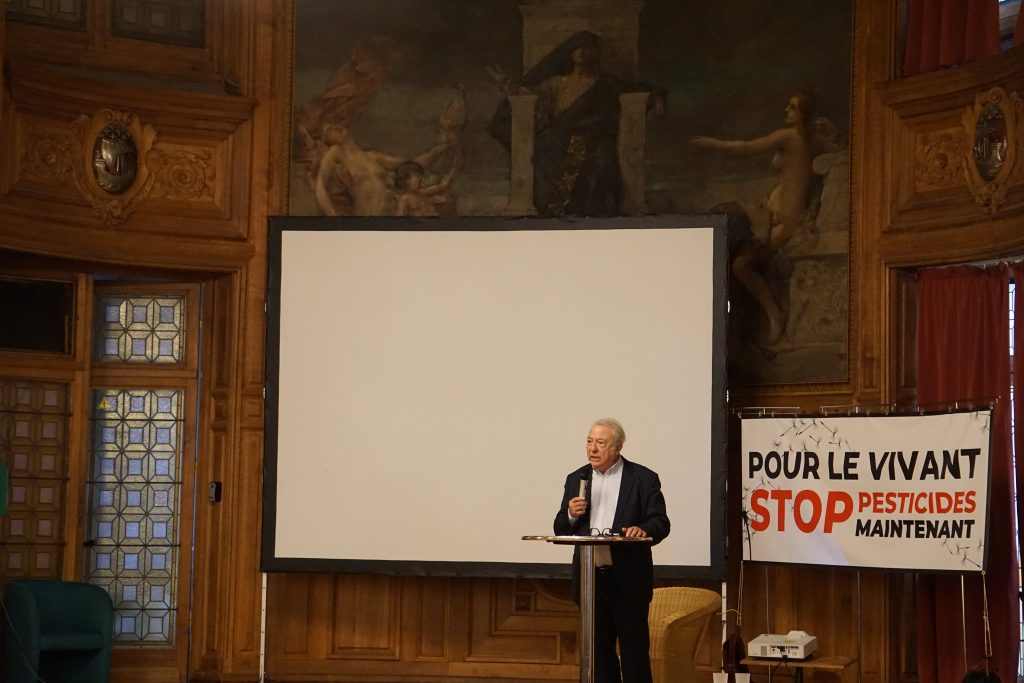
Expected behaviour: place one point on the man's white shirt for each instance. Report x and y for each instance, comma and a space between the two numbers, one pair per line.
604, 497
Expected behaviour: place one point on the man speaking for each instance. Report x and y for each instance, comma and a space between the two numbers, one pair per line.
624, 498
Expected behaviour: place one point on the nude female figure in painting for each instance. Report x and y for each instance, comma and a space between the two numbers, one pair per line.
790, 206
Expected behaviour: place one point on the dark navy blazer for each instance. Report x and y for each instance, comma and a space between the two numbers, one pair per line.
641, 504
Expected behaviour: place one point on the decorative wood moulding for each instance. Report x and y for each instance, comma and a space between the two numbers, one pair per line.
940, 159
993, 126
104, 162
101, 154
114, 162
982, 155
183, 175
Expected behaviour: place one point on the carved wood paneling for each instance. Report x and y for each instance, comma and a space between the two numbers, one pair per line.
192, 212
62, 157
212, 520
945, 159
186, 162
222, 321
431, 597
903, 611
999, 151
192, 187
380, 625
296, 616
497, 632
240, 311
932, 132
252, 409
216, 64
366, 616
821, 601
219, 166
3, 76
904, 338
874, 635
243, 492
940, 158
208, 611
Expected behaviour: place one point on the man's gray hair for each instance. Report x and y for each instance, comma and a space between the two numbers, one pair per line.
618, 433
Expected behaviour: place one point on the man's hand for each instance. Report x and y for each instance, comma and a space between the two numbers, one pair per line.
577, 506
633, 532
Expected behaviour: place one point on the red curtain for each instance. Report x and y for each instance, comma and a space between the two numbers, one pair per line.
963, 355
949, 32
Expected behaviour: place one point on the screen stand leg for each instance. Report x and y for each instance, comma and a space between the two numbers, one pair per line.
587, 613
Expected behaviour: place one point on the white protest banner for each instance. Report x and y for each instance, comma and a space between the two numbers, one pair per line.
895, 491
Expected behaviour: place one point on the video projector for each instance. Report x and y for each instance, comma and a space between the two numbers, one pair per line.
793, 645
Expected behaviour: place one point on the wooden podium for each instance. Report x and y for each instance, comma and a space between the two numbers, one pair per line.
586, 545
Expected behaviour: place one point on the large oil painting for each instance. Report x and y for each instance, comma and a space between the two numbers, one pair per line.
602, 108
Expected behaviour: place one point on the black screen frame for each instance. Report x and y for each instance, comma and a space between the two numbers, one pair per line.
278, 225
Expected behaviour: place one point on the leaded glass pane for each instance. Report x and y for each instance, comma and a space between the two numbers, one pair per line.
134, 497
33, 445
179, 22
140, 329
65, 14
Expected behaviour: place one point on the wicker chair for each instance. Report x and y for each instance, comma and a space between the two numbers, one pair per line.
679, 617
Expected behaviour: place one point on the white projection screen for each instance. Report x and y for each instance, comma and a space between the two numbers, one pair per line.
430, 384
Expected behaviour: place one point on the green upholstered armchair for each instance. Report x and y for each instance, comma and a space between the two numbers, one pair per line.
63, 629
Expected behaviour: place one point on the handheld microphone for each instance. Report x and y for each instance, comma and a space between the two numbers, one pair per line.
584, 494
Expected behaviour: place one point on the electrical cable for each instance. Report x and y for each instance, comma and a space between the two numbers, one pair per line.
988, 629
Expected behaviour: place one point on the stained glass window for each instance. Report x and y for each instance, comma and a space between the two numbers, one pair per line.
33, 445
139, 329
134, 497
179, 22
67, 14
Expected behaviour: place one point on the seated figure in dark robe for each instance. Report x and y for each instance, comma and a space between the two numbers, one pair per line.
575, 156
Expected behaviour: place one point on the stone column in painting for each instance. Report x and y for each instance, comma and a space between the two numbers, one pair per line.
632, 143
520, 201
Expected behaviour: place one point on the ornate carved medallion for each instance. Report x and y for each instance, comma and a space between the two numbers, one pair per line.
990, 142
109, 147
115, 158
992, 127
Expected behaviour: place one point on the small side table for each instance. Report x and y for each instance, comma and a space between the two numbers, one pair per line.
828, 662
